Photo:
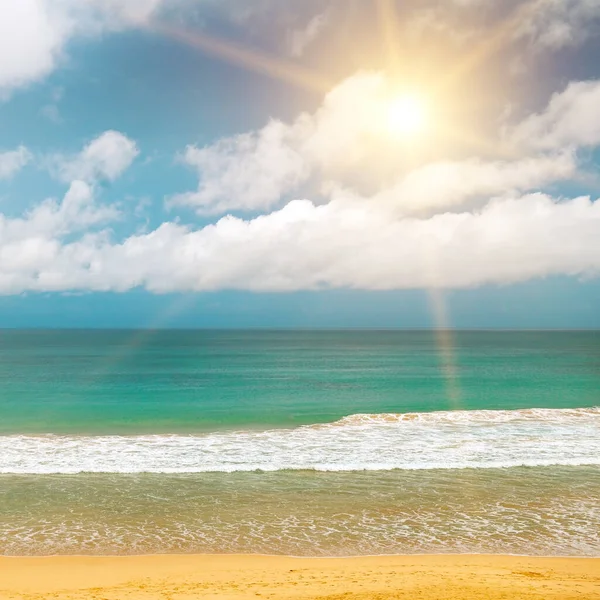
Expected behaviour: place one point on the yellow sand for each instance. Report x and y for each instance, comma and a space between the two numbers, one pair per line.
185, 577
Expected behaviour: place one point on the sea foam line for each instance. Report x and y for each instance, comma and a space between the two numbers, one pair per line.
440, 440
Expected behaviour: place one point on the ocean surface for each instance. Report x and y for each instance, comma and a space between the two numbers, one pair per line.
312, 443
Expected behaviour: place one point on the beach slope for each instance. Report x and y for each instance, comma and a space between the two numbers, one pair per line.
183, 577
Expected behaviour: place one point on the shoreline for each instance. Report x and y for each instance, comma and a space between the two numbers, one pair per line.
307, 557
233, 576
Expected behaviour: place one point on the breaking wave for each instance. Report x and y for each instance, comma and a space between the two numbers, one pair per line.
441, 440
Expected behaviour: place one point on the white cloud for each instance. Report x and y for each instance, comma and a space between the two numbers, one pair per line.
343, 139
303, 246
572, 118
35, 33
442, 185
300, 39
249, 171
31, 247
32, 34
346, 143
105, 157
75, 212
448, 222
13, 161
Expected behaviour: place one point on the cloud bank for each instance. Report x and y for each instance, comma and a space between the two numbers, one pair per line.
450, 223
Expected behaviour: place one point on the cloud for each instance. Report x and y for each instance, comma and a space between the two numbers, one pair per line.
13, 161
32, 34
300, 39
35, 33
345, 144
303, 246
443, 222
104, 158
342, 137
31, 247
249, 171
544, 25
75, 212
555, 24
572, 118
447, 184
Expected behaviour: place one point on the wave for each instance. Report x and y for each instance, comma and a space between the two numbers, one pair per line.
441, 440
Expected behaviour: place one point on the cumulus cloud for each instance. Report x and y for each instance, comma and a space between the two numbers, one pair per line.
32, 34
75, 212
572, 118
447, 223
346, 143
249, 171
303, 246
13, 161
342, 140
35, 33
104, 158
31, 246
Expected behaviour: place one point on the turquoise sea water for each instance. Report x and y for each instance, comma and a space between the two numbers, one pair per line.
187, 381
299, 442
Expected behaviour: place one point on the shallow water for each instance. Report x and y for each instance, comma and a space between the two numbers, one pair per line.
542, 510
306, 443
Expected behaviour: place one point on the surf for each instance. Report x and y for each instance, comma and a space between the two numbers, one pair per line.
361, 442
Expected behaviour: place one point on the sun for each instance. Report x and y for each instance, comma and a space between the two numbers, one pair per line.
407, 115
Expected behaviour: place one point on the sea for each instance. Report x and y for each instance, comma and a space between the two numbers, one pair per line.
299, 442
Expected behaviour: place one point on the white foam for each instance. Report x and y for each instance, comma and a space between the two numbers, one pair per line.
441, 440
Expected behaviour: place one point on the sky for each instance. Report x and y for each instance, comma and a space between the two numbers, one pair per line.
287, 163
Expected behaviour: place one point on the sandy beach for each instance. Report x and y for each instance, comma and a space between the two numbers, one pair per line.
183, 577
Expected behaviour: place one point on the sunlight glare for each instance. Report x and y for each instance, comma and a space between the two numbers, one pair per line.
407, 115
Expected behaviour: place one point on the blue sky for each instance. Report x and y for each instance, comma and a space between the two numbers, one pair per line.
281, 163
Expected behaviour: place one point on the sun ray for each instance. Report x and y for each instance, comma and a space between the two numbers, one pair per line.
445, 344
389, 28
444, 337
492, 43
141, 337
248, 58
407, 116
